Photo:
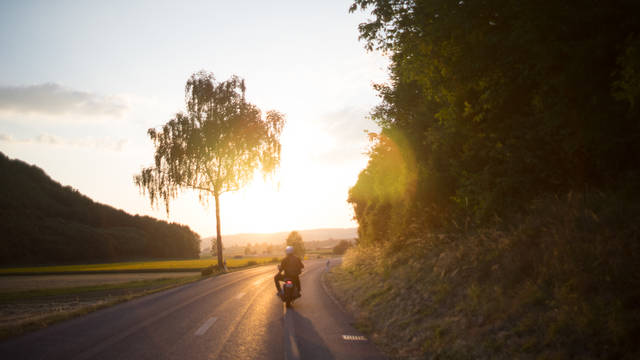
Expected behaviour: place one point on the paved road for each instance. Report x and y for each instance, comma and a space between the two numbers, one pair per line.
232, 316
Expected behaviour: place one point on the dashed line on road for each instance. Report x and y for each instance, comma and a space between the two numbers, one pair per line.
91, 352
203, 329
258, 282
354, 338
240, 295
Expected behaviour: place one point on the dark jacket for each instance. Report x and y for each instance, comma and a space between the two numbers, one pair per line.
291, 265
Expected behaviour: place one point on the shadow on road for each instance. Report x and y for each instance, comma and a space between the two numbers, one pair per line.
309, 341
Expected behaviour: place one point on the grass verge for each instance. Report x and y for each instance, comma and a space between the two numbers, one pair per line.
59, 304
134, 266
88, 299
563, 283
18, 296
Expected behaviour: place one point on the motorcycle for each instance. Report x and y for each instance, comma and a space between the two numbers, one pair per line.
289, 292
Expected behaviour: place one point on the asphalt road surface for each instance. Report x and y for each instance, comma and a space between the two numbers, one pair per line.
232, 316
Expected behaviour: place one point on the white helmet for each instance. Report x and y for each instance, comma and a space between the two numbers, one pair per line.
289, 250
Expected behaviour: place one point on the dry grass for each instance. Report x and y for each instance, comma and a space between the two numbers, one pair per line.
14, 283
564, 283
24, 311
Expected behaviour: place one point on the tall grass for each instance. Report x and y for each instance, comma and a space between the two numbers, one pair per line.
563, 282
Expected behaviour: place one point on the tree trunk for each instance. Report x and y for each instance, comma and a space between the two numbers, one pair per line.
218, 235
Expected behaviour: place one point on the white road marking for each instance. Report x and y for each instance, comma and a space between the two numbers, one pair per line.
203, 329
329, 294
92, 351
354, 338
240, 295
259, 281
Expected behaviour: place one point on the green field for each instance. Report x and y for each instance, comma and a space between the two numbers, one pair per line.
164, 265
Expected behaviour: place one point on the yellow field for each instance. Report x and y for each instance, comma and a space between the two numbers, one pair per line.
168, 265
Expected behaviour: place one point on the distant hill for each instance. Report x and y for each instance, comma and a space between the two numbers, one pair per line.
279, 237
43, 222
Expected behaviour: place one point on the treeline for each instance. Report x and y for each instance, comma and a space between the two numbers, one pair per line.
493, 104
44, 222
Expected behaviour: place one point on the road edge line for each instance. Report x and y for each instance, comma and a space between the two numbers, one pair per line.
323, 282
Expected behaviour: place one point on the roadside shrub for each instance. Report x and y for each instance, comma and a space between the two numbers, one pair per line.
341, 247
208, 270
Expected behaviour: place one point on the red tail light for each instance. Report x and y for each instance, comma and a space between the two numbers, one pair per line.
289, 282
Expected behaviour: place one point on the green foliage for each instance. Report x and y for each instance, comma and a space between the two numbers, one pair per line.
208, 270
499, 103
495, 110
384, 189
627, 85
213, 148
249, 250
341, 247
44, 223
214, 251
295, 239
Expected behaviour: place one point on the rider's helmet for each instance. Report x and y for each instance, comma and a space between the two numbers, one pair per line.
289, 250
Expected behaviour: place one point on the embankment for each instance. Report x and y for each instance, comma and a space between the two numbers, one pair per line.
562, 283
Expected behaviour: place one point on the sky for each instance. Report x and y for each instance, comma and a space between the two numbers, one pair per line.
82, 81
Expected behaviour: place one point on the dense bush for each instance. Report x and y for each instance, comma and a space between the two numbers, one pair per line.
208, 270
44, 222
503, 188
341, 247
494, 104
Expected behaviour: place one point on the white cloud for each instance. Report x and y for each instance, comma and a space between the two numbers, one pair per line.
105, 143
54, 99
342, 135
47, 139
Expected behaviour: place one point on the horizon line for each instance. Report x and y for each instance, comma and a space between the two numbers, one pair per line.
283, 231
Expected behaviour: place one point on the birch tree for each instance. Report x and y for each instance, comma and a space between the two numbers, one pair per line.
214, 147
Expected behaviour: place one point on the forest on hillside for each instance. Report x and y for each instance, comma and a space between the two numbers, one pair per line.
44, 222
504, 186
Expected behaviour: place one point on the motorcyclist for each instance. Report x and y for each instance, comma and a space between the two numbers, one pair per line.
292, 267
